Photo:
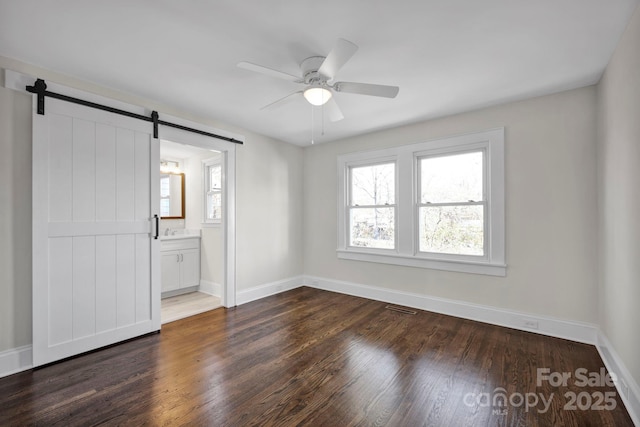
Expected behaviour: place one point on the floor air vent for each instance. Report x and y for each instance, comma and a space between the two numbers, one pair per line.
400, 309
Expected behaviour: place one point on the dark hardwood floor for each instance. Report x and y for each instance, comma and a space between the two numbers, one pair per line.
316, 358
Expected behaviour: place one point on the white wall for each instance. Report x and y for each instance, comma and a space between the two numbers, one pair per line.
15, 219
269, 207
550, 152
619, 198
268, 202
171, 223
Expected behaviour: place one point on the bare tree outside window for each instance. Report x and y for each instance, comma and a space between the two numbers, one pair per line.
372, 206
452, 204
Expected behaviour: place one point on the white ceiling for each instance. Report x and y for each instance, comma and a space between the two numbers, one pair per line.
447, 56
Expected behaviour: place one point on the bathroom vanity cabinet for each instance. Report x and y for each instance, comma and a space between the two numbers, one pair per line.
180, 265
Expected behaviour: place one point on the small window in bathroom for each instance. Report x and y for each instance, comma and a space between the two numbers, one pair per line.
212, 191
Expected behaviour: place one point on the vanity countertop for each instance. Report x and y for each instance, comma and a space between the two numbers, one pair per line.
181, 234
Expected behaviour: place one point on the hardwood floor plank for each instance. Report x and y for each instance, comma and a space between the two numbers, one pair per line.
313, 358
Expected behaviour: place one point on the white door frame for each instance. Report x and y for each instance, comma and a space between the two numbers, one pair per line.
228, 150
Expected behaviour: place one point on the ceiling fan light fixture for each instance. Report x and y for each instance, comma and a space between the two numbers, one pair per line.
317, 95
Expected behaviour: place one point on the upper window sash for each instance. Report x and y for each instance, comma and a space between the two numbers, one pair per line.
215, 183
474, 195
352, 203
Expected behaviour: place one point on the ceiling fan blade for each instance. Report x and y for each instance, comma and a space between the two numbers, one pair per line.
332, 110
281, 101
341, 53
367, 89
268, 71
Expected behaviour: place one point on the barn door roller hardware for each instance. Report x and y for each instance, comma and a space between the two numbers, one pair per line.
40, 89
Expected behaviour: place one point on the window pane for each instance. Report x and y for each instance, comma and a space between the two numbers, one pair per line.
373, 185
164, 207
452, 229
456, 178
165, 188
372, 228
214, 205
215, 178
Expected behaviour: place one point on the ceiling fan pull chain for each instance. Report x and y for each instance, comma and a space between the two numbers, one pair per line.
312, 141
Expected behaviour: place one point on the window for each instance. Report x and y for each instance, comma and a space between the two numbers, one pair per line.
372, 206
212, 170
437, 204
451, 204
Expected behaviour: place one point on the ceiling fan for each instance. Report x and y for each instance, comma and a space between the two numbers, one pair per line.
318, 73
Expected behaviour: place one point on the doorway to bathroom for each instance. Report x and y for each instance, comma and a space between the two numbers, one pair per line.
191, 238
197, 234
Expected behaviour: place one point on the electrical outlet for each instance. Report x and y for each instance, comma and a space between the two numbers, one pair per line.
529, 323
624, 388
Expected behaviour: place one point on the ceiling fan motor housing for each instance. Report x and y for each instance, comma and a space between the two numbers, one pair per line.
310, 68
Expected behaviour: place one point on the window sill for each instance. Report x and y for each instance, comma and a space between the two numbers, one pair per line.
211, 224
434, 264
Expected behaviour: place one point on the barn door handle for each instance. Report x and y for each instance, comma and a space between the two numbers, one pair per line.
157, 226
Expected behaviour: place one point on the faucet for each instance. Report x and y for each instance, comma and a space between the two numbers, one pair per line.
166, 231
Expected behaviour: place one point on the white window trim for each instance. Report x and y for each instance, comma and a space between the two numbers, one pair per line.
406, 252
217, 161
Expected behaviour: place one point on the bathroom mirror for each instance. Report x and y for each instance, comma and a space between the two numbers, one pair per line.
171, 195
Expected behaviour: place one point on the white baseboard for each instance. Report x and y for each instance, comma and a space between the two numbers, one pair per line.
628, 388
211, 288
575, 331
15, 360
255, 293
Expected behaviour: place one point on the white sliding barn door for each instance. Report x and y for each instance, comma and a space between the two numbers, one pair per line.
95, 262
